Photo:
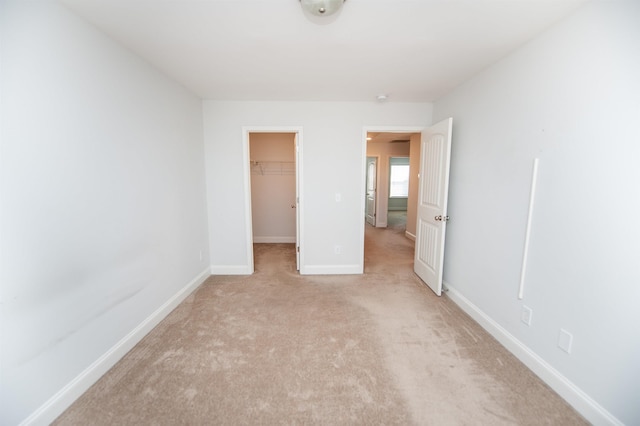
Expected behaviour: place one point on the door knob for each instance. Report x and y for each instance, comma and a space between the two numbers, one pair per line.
438, 218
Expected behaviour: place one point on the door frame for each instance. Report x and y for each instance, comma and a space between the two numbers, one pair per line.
377, 157
248, 220
363, 168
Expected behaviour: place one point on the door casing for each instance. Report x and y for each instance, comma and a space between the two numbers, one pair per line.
372, 190
363, 174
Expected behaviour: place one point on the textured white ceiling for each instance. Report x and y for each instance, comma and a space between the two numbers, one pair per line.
412, 50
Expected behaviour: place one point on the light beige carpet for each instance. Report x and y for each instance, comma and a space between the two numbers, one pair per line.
277, 348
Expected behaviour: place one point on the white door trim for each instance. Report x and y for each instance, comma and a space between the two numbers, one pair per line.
363, 171
376, 184
248, 219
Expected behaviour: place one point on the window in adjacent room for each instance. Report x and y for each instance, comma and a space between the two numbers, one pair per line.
399, 177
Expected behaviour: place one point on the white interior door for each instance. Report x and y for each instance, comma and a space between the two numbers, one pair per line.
435, 156
297, 202
370, 208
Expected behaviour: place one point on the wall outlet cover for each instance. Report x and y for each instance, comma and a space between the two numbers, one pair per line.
565, 341
527, 315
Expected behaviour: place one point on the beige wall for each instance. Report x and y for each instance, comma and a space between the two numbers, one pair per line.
412, 201
384, 150
273, 187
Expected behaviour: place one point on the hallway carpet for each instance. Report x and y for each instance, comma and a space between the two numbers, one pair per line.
277, 348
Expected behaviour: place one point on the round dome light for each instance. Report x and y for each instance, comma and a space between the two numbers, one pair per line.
321, 7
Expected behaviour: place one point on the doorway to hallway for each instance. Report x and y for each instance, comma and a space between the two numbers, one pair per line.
387, 151
430, 196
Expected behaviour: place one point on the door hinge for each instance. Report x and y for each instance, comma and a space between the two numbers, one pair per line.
298, 249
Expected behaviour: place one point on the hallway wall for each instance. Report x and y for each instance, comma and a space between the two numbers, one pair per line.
384, 151
412, 201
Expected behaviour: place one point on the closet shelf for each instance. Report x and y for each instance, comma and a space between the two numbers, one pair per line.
273, 168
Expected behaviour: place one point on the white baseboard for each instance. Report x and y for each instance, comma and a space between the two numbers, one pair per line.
583, 403
59, 402
331, 270
231, 270
272, 240
409, 235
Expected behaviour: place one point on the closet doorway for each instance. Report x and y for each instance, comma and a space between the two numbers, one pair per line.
273, 189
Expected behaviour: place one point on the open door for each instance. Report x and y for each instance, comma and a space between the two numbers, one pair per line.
370, 207
435, 157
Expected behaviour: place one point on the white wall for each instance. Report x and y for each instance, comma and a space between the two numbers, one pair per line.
273, 187
571, 98
103, 205
333, 162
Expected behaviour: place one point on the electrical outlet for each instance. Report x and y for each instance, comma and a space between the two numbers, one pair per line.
565, 341
526, 315
337, 249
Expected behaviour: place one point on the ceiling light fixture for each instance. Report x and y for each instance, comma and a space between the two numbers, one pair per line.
382, 98
321, 7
